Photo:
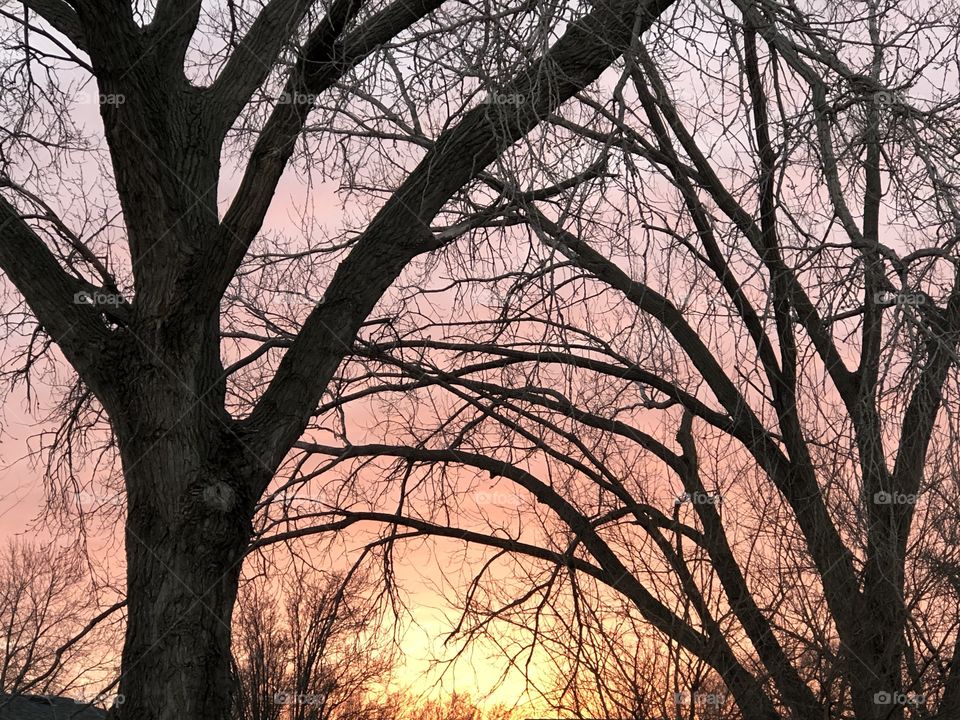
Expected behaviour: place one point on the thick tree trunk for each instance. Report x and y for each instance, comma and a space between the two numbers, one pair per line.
190, 498
181, 584
176, 658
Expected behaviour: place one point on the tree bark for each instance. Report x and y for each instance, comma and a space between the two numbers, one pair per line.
183, 564
182, 584
190, 501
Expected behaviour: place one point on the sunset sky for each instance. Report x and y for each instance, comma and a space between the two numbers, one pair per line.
656, 302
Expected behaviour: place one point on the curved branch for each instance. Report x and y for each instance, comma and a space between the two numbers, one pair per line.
54, 296
400, 231
61, 18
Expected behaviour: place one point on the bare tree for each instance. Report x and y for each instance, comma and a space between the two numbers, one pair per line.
339, 653
261, 654
719, 384
456, 706
310, 649
45, 603
123, 257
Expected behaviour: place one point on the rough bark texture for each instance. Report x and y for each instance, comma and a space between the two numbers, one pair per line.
189, 497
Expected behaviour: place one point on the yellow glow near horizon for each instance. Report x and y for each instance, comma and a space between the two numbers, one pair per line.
477, 672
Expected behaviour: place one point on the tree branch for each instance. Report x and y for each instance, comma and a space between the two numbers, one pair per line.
751, 699
795, 480
319, 67
51, 293
62, 18
254, 57
400, 231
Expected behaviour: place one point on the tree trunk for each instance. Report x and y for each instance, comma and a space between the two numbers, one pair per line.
177, 651
190, 498
181, 584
